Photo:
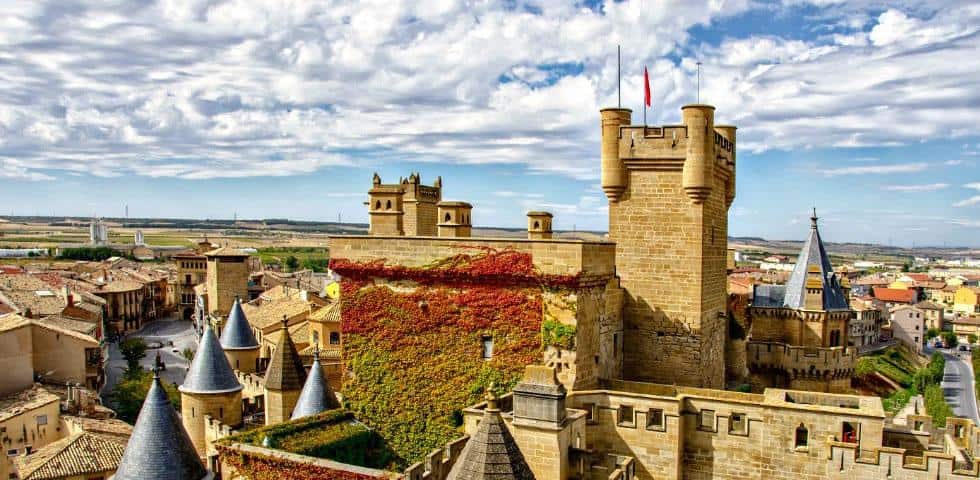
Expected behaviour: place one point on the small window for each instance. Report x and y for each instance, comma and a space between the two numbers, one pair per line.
388, 205
625, 415
802, 439
193, 415
959, 431
655, 419
590, 413
738, 424
448, 217
536, 224
377, 205
221, 413
918, 425
42, 419
849, 432
28, 449
12, 452
334, 338
706, 420
487, 347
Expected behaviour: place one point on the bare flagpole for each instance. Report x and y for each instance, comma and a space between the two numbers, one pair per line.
619, 77
699, 81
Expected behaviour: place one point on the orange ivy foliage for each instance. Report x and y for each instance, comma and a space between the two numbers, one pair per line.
416, 354
260, 467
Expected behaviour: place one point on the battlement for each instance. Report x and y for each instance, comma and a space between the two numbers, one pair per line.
802, 362
253, 385
438, 463
404, 208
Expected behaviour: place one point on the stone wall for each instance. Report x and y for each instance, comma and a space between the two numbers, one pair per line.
279, 405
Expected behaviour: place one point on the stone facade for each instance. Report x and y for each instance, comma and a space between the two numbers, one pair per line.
404, 208
279, 405
669, 190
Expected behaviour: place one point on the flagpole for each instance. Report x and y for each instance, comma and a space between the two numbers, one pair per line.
619, 77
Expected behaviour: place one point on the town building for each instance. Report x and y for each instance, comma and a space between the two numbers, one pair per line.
908, 325
894, 297
51, 350
965, 326
933, 314
869, 318
966, 300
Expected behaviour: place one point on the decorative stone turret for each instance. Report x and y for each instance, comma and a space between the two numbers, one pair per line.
159, 447
238, 341
539, 225
283, 380
614, 175
454, 219
491, 453
385, 209
700, 162
209, 389
316, 396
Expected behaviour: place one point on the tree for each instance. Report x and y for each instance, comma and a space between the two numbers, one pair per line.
133, 350
972, 338
292, 263
128, 396
932, 333
950, 339
906, 266
188, 354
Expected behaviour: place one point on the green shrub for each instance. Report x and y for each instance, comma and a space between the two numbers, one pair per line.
936, 405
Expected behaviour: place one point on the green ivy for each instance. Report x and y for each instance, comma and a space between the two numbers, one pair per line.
558, 334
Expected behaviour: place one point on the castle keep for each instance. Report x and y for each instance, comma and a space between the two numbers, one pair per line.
669, 189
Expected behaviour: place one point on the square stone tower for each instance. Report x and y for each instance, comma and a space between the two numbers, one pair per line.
669, 190
420, 205
227, 279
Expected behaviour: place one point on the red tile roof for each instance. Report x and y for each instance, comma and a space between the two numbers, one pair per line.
919, 277
895, 295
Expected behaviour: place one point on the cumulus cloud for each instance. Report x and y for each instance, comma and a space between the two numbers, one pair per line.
233, 88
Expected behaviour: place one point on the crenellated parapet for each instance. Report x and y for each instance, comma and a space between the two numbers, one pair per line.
799, 363
697, 147
437, 463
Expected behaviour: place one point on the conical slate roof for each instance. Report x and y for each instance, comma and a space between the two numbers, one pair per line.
814, 258
316, 396
286, 371
210, 371
237, 334
159, 447
491, 453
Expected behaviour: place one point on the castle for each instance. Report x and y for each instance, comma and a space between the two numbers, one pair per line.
567, 359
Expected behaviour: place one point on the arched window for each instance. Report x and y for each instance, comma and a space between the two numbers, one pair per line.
388, 205
377, 205
448, 217
801, 437
536, 224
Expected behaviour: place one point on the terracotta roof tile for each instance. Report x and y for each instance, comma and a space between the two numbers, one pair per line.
80, 454
894, 295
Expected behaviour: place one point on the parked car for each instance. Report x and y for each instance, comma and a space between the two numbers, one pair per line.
964, 348
154, 345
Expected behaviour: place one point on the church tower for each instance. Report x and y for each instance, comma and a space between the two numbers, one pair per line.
238, 341
210, 388
283, 380
669, 190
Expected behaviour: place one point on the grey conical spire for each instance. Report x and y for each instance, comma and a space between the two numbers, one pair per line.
316, 396
159, 447
813, 258
237, 334
491, 453
210, 371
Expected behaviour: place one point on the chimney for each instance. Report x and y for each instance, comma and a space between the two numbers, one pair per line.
69, 300
539, 399
539, 225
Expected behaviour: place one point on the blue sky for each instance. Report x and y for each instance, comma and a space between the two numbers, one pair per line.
193, 108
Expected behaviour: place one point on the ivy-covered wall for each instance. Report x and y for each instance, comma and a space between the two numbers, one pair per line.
414, 340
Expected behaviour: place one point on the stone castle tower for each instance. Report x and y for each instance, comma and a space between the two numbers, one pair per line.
798, 333
227, 279
238, 341
284, 379
210, 388
406, 208
669, 190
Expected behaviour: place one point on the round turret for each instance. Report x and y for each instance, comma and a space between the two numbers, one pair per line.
700, 161
613, 170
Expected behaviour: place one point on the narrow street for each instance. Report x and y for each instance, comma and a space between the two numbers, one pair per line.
958, 385
164, 331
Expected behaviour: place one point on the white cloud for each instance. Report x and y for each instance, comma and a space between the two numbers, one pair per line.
876, 169
929, 187
234, 88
